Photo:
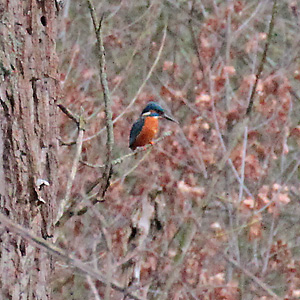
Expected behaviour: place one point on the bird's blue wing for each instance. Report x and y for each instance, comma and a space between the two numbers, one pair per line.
135, 130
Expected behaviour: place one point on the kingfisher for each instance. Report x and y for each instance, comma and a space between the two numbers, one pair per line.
144, 130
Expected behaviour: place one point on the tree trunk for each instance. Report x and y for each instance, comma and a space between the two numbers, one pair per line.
28, 142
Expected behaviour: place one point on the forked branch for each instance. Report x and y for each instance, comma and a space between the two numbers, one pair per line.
106, 95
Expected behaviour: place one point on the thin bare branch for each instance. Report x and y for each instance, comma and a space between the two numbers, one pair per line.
259, 282
65, 202
68, 113
269, 246
119, 160
72, 211
194, 39
141, 86
243, 164
60, 253
263, 59
185, 236
93, 287
107, 99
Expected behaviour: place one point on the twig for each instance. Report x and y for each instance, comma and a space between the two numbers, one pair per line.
234, 138
194, 39
259, 7
133, 168
107, 99
63, 143
124, 70
119, 160
294, 93
148, 75
109, 274
158, 56
263, 59
65, 202
67, 112
241, 189
253, 277
61, 254
184, 237
269, 246
93, 287
71, 211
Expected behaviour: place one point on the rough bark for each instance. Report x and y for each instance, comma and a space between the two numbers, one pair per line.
28, 142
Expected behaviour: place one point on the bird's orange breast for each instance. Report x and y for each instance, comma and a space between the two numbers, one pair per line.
148, 132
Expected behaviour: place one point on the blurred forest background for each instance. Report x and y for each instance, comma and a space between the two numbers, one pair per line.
211, 211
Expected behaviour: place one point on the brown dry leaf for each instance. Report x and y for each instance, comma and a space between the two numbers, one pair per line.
255, 227
251, 46
203, 98
229, 70
218, 279
195, 191
249, 203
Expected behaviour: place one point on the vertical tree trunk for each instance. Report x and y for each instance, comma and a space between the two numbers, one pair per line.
28, 142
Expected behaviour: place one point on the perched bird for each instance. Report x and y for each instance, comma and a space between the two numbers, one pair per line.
144, 130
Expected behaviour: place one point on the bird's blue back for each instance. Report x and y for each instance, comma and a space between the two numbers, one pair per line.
135, 130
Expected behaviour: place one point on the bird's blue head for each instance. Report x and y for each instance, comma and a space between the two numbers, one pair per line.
153, 109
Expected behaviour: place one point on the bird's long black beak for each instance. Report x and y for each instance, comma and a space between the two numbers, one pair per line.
170, 119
